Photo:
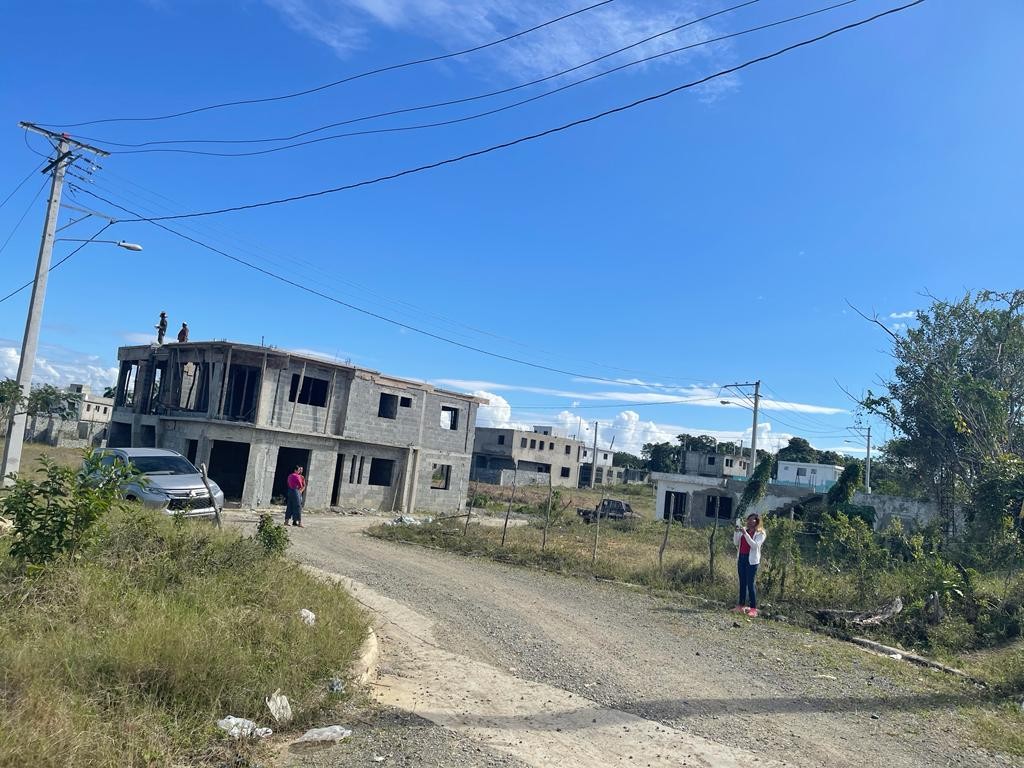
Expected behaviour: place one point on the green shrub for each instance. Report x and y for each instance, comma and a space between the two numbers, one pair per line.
274, 538
55, 515
128, 655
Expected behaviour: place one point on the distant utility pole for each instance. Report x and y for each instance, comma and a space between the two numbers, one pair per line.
753, 432
63, 157
593, 459
867, 458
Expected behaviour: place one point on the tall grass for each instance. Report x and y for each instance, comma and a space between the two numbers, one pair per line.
128, 656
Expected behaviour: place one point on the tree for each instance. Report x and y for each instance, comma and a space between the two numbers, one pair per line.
628, 461
660, 457
757, 486
841, 494
110, 392
798, 449
43, 400
956, 397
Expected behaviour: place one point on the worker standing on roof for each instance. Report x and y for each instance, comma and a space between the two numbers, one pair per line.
183, 334
161, 328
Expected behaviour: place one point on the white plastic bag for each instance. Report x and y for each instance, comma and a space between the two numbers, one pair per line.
307, 616
279, 707
240, 728
321, 737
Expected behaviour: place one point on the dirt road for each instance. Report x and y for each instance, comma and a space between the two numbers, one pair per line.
537, 669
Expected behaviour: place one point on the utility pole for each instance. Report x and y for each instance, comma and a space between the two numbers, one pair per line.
753, 433
593, 459
30, 343
867, 466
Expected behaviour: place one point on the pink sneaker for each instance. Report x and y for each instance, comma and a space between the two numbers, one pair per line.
752, 613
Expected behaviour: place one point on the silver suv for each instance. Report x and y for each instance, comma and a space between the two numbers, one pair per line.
171, 484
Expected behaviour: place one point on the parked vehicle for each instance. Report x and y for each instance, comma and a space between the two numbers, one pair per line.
610, 509
171, 483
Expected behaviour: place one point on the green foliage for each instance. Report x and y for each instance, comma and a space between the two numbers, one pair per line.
955, 393
798, 449
660, 457
998, 496
43, 399
129, 654
847, 544
757, 486
628, 461
785, 556
272, 537
841, 494
55, 515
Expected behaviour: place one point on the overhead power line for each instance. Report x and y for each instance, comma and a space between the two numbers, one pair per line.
342, 81
53, 266
17, 225
452, 102
362, 310
541, 134
486, 113
20, 184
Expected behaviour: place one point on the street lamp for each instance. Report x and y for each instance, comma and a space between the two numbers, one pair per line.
119, 243
18, 420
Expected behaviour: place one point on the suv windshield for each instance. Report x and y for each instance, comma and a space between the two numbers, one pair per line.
163, 465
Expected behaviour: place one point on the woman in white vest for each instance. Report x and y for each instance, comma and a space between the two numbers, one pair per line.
748, 541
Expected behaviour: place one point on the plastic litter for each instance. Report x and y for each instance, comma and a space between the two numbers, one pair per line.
321, 737
308, 617
405, 520
335, 685
279, 707
240, 728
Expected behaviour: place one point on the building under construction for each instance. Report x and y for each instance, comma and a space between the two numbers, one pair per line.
253, 413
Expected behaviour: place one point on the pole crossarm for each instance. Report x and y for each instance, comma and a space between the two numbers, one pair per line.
53, 135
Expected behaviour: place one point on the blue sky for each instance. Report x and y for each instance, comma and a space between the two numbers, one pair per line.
710, 237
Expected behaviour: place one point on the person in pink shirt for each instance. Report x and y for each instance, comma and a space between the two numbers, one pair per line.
293, 499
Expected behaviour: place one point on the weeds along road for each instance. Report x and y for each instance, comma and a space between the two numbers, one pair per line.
541, 667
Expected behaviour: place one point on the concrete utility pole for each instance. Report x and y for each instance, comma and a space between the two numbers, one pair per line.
753, 432
593, 459
30, 343
867, 466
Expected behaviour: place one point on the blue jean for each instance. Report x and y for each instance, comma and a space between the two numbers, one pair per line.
747, 572
293, 508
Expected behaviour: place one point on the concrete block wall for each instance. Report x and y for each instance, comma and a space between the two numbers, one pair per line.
442, 501
277, 410
363, 424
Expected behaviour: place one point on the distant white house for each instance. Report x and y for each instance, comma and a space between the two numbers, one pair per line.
819, 476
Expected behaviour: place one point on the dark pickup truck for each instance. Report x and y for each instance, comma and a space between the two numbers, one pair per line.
610, 509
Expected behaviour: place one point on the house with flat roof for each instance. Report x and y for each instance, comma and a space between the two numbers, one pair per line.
501, 455
253, 413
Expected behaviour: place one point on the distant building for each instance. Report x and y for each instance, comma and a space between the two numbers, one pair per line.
820, 477
85, 428
253, 413
538, 454
716, 464
607, 473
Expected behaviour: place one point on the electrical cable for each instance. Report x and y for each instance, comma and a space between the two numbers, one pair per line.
544, 133
23, 215
232, 240
349, 79
16, 291
477, 115
20, 184
370, 313
463, 100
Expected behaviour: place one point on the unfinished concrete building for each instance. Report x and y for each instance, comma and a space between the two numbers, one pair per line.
538, 454
253, 413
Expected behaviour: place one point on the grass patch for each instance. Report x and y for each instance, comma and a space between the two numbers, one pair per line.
129, 655
33, 452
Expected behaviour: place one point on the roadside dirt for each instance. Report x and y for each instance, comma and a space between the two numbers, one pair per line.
544, 670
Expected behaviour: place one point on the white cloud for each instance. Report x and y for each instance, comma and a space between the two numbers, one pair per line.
910, 313
60, 366
708, 397
899, 326
133, 337
344, 26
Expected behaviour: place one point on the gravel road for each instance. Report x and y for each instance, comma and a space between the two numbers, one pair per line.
785, 695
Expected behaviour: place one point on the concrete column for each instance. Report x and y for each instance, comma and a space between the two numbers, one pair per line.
415, 479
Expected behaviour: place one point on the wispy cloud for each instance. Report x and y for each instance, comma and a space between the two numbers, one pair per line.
60, 366
910, 313
708, 397
346, 25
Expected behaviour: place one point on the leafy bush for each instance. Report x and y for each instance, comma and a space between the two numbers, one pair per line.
274, 538
55, 515
129, 654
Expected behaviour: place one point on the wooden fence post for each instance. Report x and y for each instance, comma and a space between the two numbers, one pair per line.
547, 518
